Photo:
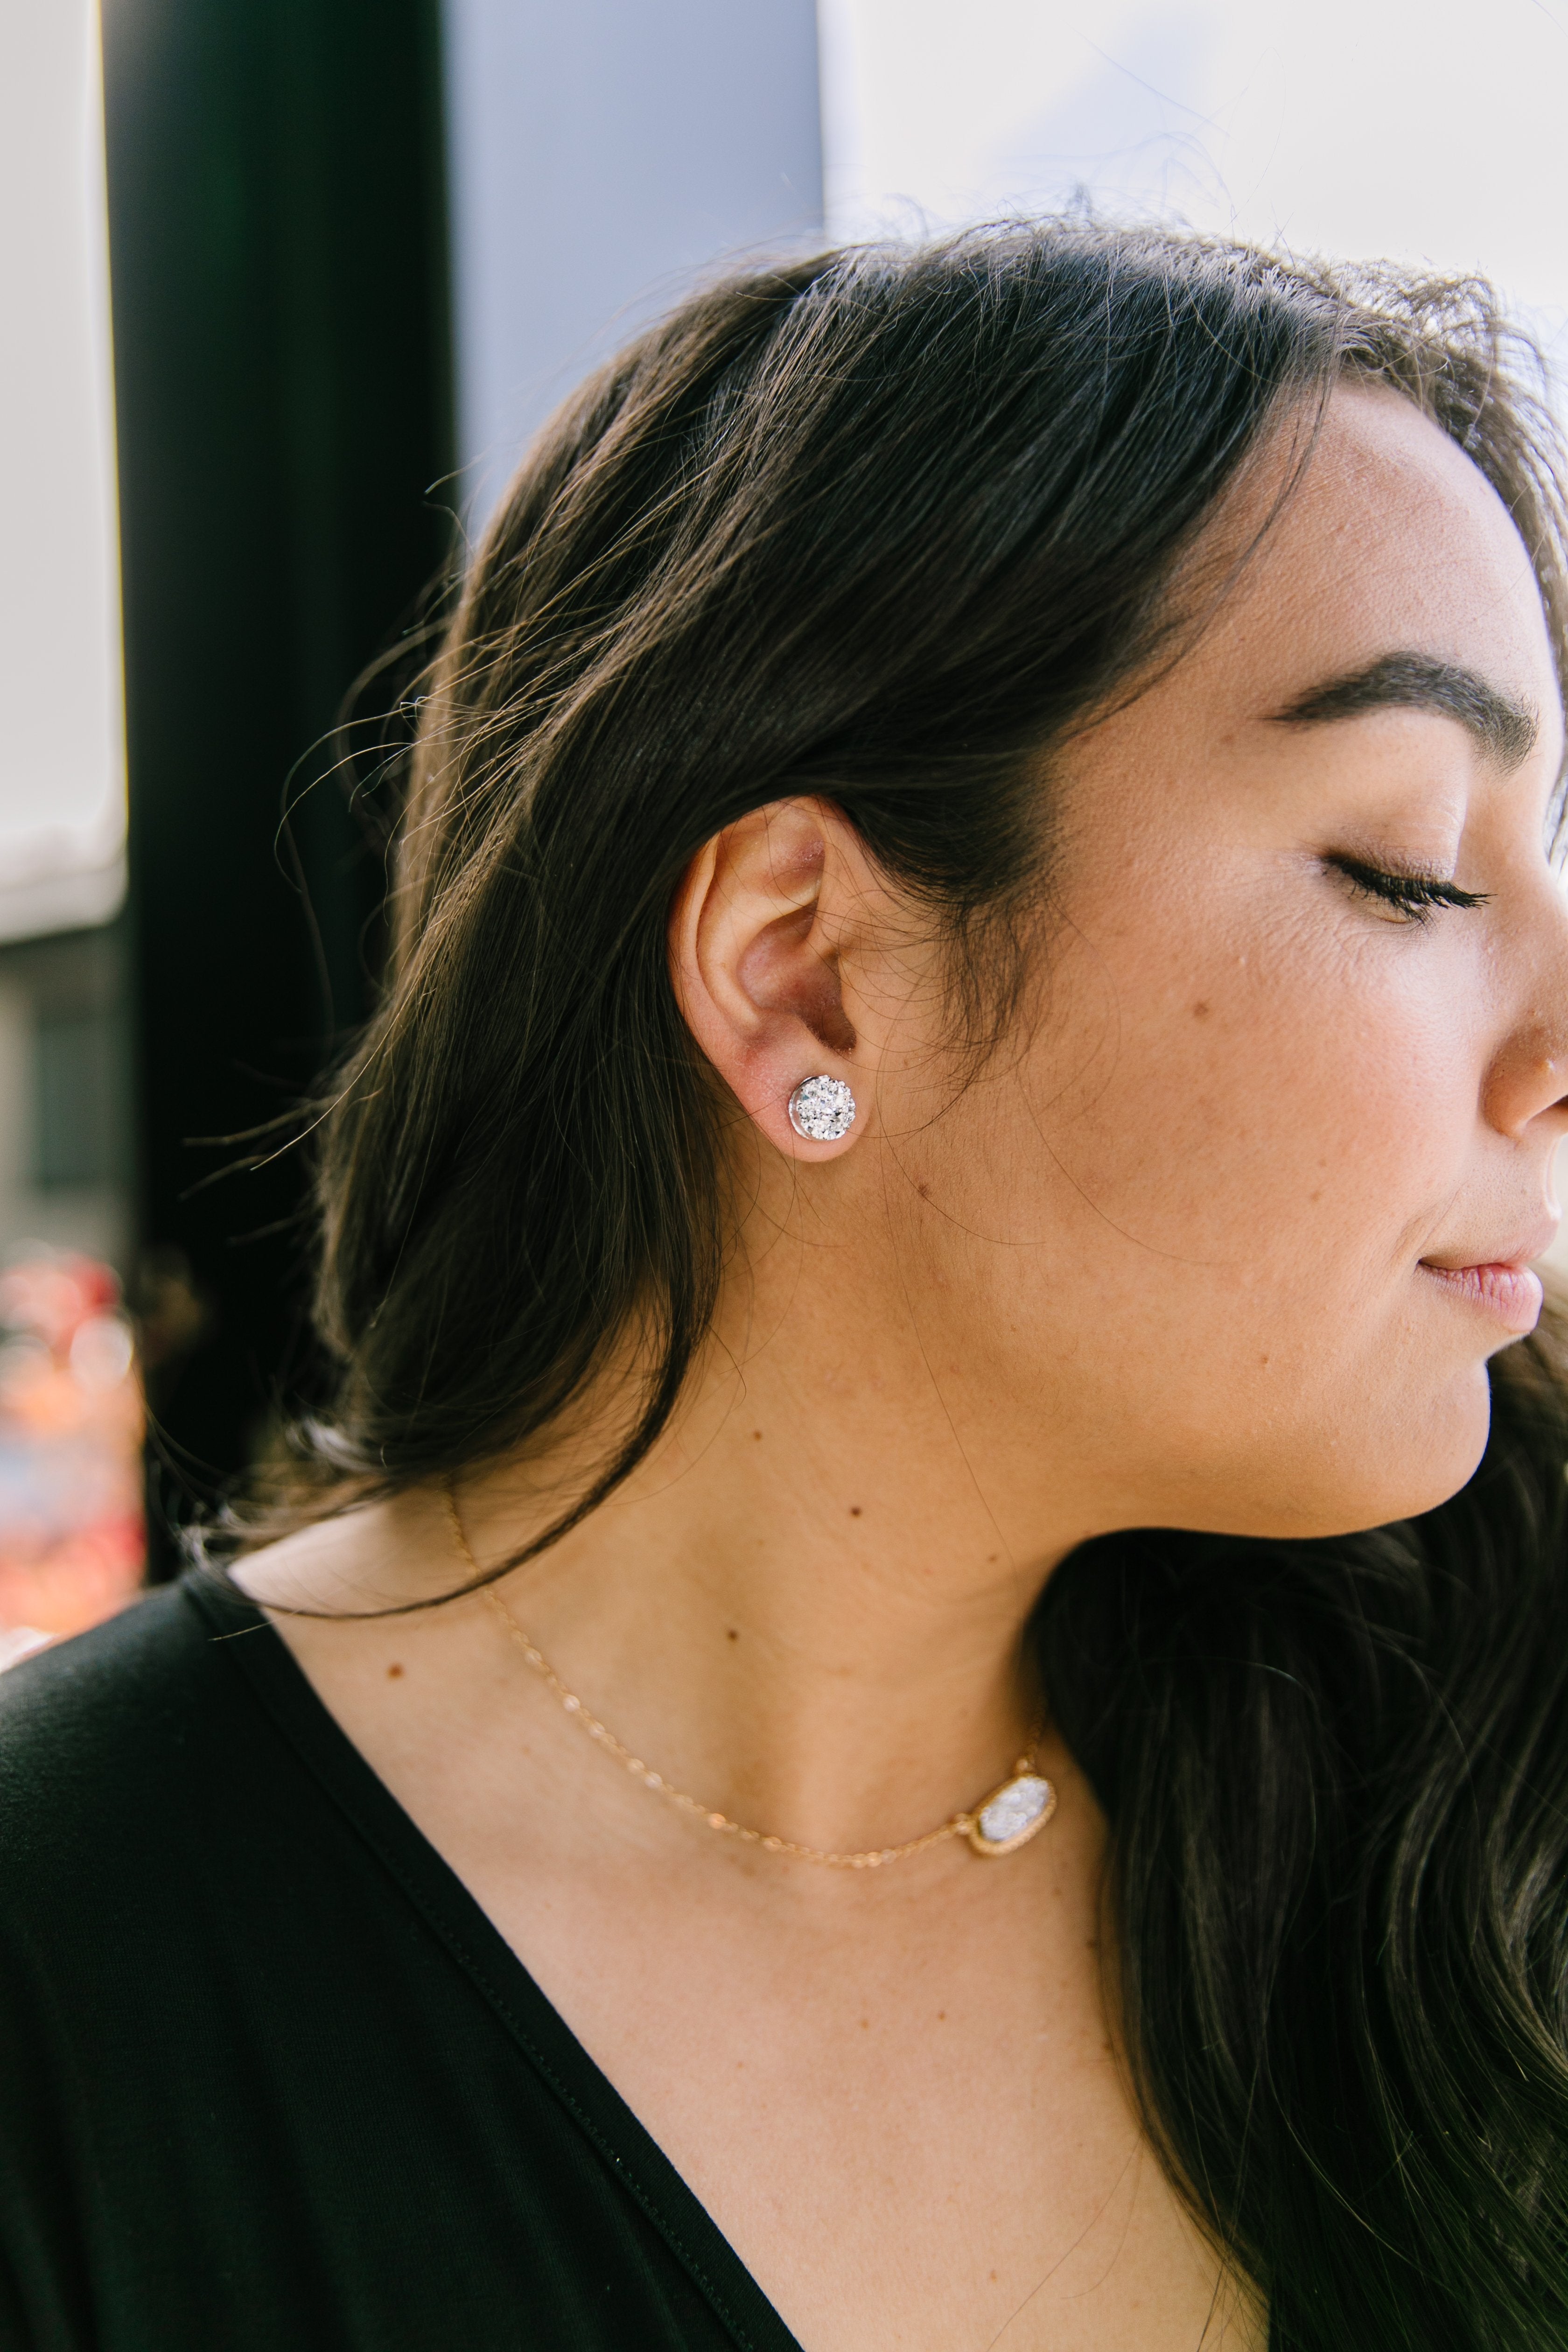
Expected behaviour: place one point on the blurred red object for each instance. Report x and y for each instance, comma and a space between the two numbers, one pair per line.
73, 1543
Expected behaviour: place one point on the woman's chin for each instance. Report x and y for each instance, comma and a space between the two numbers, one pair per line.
1419, 1464
1365, 1472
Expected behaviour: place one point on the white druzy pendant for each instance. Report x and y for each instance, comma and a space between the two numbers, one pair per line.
1012, 1814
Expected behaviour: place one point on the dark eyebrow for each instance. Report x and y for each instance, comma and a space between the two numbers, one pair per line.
1505, 730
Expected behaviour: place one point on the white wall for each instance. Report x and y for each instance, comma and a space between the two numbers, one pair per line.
62, 762
1418, 130
600, 152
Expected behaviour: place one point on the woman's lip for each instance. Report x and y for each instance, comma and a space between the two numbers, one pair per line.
1508, 1291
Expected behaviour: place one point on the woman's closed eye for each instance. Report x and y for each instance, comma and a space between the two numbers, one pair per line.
1414, 896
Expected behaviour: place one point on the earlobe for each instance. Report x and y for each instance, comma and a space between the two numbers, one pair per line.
757, 939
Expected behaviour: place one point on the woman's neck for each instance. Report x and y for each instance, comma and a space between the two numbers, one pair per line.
803, 1608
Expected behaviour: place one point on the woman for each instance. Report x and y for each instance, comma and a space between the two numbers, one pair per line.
978, 971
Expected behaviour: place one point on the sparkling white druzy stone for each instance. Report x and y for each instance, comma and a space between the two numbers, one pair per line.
822, 1109
1013, 1808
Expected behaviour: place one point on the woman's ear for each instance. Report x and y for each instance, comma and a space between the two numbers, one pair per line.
764, 937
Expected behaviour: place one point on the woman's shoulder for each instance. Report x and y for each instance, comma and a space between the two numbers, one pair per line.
104, 1737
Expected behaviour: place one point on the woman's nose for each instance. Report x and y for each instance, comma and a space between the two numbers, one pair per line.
1529, 1076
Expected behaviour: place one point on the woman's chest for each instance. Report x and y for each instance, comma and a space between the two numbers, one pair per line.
906, 2115
896, 2092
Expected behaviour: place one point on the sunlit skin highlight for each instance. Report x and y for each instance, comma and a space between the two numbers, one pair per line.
1222, 1235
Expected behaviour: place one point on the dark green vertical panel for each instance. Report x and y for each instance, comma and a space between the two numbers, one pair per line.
277, 244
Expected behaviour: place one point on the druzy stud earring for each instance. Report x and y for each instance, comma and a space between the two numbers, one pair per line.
822, 1109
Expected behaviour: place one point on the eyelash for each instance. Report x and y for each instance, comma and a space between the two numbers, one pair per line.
1415, 896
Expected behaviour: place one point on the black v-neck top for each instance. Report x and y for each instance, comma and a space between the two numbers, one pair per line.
269, 2080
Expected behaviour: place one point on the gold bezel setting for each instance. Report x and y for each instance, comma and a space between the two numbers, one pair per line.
993, 1849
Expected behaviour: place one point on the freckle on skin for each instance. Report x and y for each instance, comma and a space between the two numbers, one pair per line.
730, 1634
864, 2022
393, 1672
1200, 1012
756, 1432
854, 1510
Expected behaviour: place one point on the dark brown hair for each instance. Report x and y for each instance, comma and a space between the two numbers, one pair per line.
885, 525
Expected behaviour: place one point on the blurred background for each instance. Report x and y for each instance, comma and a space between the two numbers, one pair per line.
287, 284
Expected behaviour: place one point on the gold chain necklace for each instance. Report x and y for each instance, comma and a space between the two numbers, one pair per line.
1013, 1812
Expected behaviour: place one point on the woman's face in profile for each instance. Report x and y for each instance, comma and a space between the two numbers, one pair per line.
1286, 1094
